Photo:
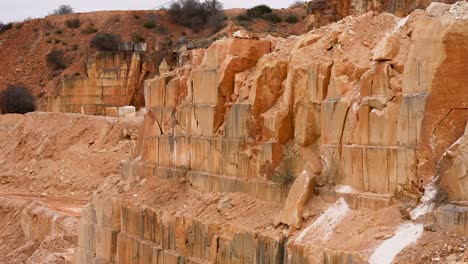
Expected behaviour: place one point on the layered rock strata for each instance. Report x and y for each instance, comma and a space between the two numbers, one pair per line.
360, 112
112, 80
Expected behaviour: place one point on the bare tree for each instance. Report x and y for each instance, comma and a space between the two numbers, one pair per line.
63, 10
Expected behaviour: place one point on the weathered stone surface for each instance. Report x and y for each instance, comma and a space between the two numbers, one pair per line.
300, 192
454, 169
127, 111
437, 9
112, 79
241, 34
368, 105
453, 218
163, 67
387, 48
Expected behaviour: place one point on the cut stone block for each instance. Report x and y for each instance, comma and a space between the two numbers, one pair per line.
333, 117
300, 193
204, 119
205, 86
410, 119
127, 111
237, 121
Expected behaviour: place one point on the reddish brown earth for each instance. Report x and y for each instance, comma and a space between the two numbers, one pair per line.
23, 49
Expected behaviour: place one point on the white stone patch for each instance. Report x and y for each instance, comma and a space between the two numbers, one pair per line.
324, 225
431, 189
345, 189
400, 23
427, 201
460, 10
127, 111
406, 235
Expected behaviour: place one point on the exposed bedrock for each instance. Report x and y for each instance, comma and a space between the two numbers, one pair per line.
339, 125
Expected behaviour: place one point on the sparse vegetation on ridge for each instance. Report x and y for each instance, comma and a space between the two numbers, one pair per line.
105, 42
196, 15
73, 23
262, 12
291, 19
5, 27
56, 60
63, 10
90, 29
259, 11
149, 24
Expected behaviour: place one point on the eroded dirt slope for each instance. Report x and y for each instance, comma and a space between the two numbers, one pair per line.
49, 164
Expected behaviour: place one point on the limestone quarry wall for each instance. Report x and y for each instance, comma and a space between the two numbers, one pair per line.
363, 110
112, 80
373, 99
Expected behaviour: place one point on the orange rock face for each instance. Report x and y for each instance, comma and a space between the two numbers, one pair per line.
364, 108
112, 80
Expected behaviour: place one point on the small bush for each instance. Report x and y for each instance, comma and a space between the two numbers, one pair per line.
161, 29
193, 13
284, 173
75, 47
259, 11
58, 32
297, 4
135, 16
73, 23
90, 30
5, 27
262, 12
149, 24
63, 10
105, 42
292, 19
56, 60
274, 18
136, 37
16, 99
243, 18
282, 178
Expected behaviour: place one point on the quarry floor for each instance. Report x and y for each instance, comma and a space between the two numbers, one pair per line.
50, 164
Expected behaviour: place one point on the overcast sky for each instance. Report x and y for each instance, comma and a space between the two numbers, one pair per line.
17, 10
